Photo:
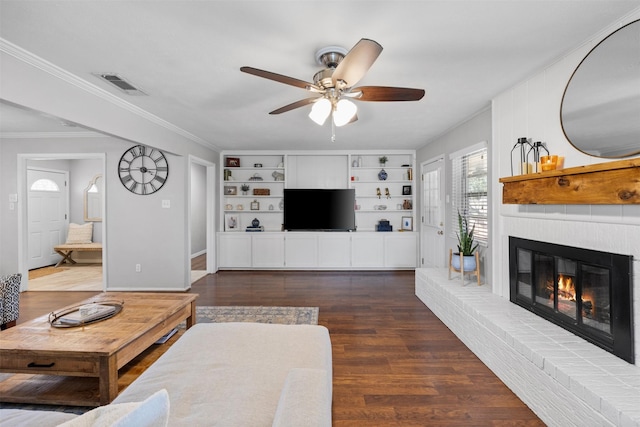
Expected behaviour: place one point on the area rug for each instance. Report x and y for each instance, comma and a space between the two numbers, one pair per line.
257, 314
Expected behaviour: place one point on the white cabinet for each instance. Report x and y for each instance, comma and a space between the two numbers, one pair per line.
301, 250
234, 250
334, 250
318, 250
384, 250
267, 250
400, 250
367, 250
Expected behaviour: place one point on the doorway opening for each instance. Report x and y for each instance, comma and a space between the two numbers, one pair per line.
44, 218
201, 218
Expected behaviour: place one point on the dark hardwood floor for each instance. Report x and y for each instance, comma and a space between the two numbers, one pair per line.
394, 362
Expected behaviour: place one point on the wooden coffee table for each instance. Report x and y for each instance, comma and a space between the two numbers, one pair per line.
97, 350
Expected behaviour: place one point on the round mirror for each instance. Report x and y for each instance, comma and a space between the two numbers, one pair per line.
600, 111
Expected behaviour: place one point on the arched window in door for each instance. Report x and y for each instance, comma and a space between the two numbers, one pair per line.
45, 185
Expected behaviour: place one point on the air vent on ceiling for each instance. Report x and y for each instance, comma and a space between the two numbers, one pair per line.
120, 83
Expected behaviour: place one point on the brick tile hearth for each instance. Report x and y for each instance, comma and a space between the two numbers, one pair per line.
562, 377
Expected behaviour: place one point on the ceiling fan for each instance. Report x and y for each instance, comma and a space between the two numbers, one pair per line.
333, 88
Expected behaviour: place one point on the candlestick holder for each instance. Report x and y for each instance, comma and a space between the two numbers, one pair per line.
521, 147
536, 149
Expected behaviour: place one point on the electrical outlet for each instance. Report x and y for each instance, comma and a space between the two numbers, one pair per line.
138, 268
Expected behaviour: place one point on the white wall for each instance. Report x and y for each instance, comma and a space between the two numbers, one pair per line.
531, 109
472, 131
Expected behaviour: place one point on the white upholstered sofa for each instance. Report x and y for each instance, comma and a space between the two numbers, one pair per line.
222, 374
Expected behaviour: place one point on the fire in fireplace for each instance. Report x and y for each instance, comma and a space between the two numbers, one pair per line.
586, 292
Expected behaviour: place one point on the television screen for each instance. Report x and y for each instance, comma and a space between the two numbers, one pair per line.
319, 209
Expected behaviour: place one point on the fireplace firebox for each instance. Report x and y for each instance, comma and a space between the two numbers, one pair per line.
584, 291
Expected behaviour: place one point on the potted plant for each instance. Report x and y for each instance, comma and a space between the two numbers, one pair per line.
383, 160
466, 245
244, 188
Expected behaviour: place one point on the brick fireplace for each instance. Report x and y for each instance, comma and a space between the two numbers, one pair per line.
586, 292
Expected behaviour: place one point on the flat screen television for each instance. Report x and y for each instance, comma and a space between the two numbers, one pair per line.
319, 209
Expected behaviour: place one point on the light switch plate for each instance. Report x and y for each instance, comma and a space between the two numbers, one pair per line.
166, 204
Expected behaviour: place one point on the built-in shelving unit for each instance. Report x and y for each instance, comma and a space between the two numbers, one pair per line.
268, 173
265, 177
383, 191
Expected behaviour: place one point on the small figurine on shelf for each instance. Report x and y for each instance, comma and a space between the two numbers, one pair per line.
386, 192
378, 193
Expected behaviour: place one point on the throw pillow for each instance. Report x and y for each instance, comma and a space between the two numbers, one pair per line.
80, 233
152, 412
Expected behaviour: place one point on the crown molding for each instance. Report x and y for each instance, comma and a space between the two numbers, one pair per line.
50, 135
62, 74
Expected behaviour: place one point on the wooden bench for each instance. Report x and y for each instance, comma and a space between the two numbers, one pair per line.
67, 249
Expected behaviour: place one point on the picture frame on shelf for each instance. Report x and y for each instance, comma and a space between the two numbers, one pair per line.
230, 190
406, 190
407, 223
232, 162
255, 205
231, 222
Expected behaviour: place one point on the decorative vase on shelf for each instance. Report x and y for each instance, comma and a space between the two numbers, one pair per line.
382, 175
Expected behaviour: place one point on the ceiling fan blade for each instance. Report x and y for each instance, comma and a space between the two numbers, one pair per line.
357, 62
385, 93
279, 78
295, 105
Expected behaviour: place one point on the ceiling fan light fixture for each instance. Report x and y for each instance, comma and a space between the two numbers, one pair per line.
320, 111
345, 111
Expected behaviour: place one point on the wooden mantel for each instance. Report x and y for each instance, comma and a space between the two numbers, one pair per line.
609, 183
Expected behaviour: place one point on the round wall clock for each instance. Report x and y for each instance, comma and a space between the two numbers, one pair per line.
143, 170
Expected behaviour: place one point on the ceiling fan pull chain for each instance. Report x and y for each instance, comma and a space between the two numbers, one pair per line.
333, 131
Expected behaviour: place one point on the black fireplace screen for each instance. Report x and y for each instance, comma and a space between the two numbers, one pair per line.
587, 292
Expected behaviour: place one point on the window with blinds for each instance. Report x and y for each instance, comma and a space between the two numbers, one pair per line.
469, 192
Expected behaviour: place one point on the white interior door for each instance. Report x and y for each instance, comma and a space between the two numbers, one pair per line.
46, 215
432, 215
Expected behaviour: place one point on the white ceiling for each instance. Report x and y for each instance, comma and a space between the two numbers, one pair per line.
186, 56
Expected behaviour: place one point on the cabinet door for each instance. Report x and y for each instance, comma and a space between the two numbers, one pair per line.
267, 249
301, 250
367, 250
400, 250
234, 250
334, 250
